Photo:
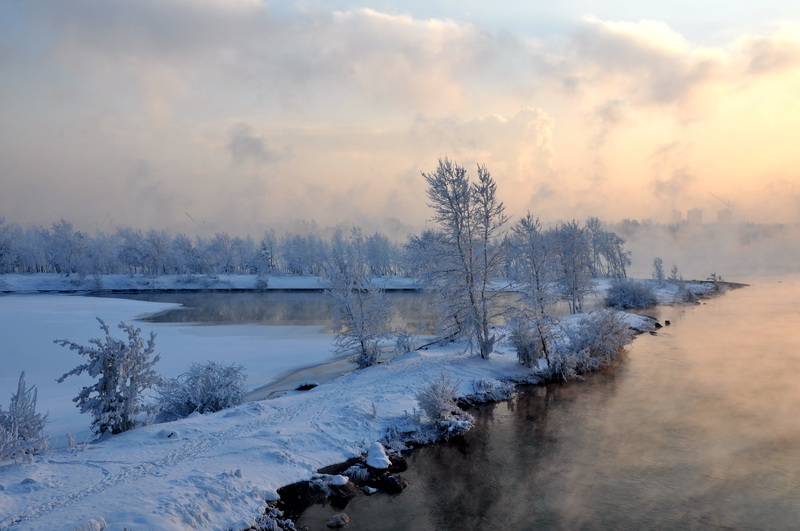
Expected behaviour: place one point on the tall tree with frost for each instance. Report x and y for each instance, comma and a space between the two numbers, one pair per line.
574, 275
469, 251
21, 427
360, 309
124, 371
534, 253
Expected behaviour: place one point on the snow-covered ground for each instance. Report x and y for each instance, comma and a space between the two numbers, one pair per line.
212, 471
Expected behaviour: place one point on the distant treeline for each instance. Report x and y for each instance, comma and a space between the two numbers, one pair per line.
62, 249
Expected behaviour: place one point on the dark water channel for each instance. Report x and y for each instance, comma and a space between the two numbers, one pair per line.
697, 427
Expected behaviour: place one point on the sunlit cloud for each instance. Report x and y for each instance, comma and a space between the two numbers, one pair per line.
248, 113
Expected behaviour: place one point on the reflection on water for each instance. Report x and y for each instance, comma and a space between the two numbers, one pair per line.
409, 310
697, 427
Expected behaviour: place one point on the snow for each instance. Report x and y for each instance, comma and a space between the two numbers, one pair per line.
206, 471
377, 458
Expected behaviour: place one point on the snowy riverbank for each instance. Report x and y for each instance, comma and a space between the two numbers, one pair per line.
212, 471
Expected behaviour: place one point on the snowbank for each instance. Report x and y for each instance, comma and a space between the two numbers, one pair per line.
207, 471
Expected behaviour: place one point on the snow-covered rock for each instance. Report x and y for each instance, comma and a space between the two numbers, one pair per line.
377, 458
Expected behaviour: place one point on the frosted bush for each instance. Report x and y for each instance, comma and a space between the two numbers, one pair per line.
600, 335
404, 341
124, 371
21, 427
532, 340
204, 388
438, 401
590, 345
625, 294
489, 390
438, 398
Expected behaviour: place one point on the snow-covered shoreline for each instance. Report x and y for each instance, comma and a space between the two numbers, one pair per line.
217, 470
54, 283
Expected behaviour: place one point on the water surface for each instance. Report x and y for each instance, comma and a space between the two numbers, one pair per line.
695, 428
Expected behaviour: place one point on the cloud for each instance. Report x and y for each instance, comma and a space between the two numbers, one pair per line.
651, 63
676, 187
770, 53
246, 146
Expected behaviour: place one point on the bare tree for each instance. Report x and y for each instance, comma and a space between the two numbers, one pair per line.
360, 309
469, 251
533, 330
574, 276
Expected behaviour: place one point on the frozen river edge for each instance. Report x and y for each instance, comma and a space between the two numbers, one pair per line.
216, 471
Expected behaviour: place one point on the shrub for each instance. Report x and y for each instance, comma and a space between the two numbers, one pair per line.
438, 398
124, 371
625, 294
438, 401
532, 340
204, 388
404, 341
593, 343
21, 427
600, 335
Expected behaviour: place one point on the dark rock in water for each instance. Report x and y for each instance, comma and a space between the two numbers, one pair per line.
338, 520
392, 484
667, 323
342, 494
295, 498
399, 464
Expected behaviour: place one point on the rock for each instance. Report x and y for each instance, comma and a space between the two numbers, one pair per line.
341, 495
667, 323
377, 458
399, 464
369, 491
338, 520
392, 484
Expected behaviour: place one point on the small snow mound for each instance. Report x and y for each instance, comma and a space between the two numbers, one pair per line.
168, 434
95, 524
338, 480
377, 458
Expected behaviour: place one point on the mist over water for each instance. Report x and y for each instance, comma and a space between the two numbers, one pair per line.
696, 427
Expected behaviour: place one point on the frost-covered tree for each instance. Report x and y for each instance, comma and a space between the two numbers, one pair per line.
535, 272
204, 388
67, 249
658, 270
574, 277
360, 309
124, 372
467, 254
21, 427
674, 274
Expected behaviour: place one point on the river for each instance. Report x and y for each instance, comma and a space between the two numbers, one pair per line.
697, 427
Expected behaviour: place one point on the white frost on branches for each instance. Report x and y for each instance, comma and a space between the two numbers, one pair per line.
21, 427
360, 309
124, 371
204, 388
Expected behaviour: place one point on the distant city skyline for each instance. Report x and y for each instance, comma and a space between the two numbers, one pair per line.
238, 115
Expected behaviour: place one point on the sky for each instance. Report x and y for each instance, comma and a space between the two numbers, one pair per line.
201, 116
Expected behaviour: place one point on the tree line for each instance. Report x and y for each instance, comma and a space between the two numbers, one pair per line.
64, 250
